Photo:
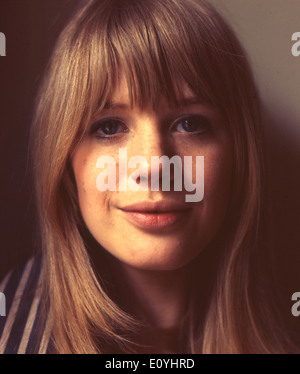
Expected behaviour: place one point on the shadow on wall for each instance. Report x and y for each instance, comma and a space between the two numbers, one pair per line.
282, 204
31, 28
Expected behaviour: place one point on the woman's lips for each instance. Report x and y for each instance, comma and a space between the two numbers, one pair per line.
155, 215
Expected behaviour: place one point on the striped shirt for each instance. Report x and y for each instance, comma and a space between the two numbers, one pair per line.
25, 328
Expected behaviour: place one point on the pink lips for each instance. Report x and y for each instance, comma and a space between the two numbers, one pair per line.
155, 215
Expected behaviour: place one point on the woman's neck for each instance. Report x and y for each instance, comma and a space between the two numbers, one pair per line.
159, 298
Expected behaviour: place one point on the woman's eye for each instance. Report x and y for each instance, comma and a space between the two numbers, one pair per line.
192, 124
106, 128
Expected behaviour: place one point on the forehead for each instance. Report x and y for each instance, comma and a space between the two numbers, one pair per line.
121, 93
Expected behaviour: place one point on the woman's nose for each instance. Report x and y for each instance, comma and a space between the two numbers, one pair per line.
153, 163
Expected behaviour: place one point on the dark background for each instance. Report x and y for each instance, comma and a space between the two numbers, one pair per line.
31, 28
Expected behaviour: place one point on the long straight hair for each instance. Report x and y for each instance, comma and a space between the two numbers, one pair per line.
151, 42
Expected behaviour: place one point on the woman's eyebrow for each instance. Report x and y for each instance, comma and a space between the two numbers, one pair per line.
193, 100
182, 102
115, 105
189, 101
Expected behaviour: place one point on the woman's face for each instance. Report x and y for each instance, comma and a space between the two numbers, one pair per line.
154, 229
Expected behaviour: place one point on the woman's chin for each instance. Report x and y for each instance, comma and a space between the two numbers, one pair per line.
155, 255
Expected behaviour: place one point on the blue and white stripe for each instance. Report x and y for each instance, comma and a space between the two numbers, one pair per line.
25, 329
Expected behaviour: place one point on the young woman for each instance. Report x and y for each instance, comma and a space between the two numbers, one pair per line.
143, 270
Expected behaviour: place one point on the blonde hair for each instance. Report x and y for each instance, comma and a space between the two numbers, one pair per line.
151, 41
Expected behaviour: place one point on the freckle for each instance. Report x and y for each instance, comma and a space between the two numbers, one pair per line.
132, 252
83, 187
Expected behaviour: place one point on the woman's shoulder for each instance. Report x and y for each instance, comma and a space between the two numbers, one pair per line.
23, 322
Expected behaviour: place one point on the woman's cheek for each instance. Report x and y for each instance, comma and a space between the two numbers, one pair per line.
218, 176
